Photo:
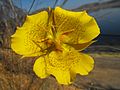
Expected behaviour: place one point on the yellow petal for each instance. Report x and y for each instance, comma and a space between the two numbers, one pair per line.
84, 65
82, 28
64, 65
40, 68
35, 54
91, 31
63, 77
57, 65
72, 76
27, 39
82, 46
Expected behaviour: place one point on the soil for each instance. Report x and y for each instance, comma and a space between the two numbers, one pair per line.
105, 76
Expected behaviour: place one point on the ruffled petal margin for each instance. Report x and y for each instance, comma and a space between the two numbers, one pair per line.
82, 27
27, 39
40, 68
84, 65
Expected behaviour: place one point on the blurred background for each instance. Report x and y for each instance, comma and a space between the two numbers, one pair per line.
106, 51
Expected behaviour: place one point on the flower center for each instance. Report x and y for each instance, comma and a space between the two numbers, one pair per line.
56, 41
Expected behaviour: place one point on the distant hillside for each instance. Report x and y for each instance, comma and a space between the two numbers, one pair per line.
113, 40
97, 6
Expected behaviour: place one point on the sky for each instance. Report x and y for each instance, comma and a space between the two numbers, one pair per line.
26, 4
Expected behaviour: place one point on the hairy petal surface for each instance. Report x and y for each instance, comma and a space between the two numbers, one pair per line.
84, 65
79, 26
57, 67
40, 68
82, 46
64, 66
27, 39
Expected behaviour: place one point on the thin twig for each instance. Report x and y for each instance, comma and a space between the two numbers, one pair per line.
31, 6
64, 2
55, 3
13, 9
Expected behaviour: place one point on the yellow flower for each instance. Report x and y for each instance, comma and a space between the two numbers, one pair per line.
57, 38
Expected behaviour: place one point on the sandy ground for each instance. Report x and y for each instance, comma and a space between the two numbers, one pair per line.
105, 76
